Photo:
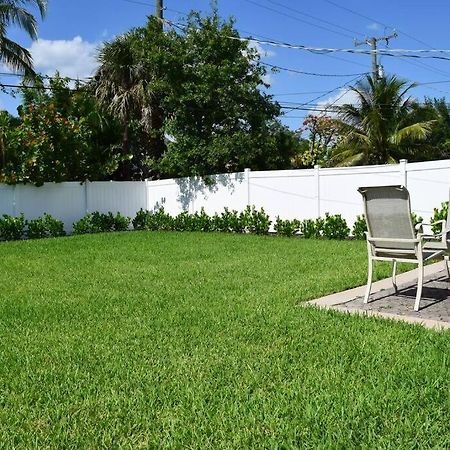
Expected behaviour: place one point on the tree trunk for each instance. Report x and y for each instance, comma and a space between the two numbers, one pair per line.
124, 170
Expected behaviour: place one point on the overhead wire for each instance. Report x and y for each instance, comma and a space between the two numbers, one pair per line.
352, 11
297, 19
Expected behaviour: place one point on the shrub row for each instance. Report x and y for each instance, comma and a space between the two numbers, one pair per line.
250, 220
100, 223
14, 228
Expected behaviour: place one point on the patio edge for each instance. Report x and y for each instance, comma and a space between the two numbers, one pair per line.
333, 301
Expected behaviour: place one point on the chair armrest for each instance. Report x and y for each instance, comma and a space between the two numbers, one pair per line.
396, 241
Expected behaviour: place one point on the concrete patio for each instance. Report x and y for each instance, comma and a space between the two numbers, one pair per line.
385, 302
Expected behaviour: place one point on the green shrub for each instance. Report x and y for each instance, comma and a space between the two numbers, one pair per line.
82, 226
97, 222
44, 227
230, 221
311, 228
359, 227
142, 220
287, 228
121, 223
12, 228
439, 214
200, 221
256, 221
55, 227
335, 227
153, 221
36, 228
416, 219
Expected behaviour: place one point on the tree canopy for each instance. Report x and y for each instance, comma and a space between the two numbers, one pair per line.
382, 127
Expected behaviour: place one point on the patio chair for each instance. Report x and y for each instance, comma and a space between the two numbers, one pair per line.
391, 235
441, 240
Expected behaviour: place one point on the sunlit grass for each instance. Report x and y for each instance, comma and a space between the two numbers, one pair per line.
196, 340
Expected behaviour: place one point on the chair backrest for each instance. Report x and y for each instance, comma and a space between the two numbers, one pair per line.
388, 214
447, 222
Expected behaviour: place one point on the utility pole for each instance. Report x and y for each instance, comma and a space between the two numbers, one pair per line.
159, 11
373, 41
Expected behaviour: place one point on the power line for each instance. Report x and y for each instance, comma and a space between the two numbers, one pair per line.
301, 72
313, 17
352, 11
296, 18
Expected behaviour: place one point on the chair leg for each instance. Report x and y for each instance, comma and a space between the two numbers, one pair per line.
446, 266
394, 273
369, 279
419, 286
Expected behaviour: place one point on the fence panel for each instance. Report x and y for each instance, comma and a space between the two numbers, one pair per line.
289, 194
126, 197
7, 200
428, 184
65, 201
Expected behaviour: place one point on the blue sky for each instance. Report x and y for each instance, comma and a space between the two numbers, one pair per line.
73, 30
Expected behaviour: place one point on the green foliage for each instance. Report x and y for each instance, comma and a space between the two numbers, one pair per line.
311, 228
13, 12
335, 227
287, 228
97, 222
382, 127
153, 221
44, 227
62, 136
12, 228
439, 214
256, 221
416, 219
359, 228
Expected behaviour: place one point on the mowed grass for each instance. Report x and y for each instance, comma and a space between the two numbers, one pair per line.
145, 340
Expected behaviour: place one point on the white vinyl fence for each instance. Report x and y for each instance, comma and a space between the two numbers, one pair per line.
290, 194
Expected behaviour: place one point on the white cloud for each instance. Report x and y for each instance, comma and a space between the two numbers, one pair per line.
74, 58
374, 26
343, 97
263, 52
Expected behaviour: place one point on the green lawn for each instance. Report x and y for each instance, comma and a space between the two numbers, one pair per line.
144, 340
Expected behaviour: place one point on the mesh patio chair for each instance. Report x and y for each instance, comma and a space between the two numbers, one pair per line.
441, 240
391, 235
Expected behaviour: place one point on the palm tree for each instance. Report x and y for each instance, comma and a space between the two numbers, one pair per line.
382, 127
119, 90
13, 12
125, 86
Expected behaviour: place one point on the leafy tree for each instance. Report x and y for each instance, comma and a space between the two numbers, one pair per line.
323, 135
62, 136
13, 12
437, 143
383, 127
206, 85
217, 115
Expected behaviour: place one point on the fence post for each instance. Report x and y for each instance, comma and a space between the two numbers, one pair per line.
247, 181
404, 172
86, 205
146, 194
14, 205
317, 179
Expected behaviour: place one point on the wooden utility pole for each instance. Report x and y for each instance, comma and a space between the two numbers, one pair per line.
159, 11
373, 41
